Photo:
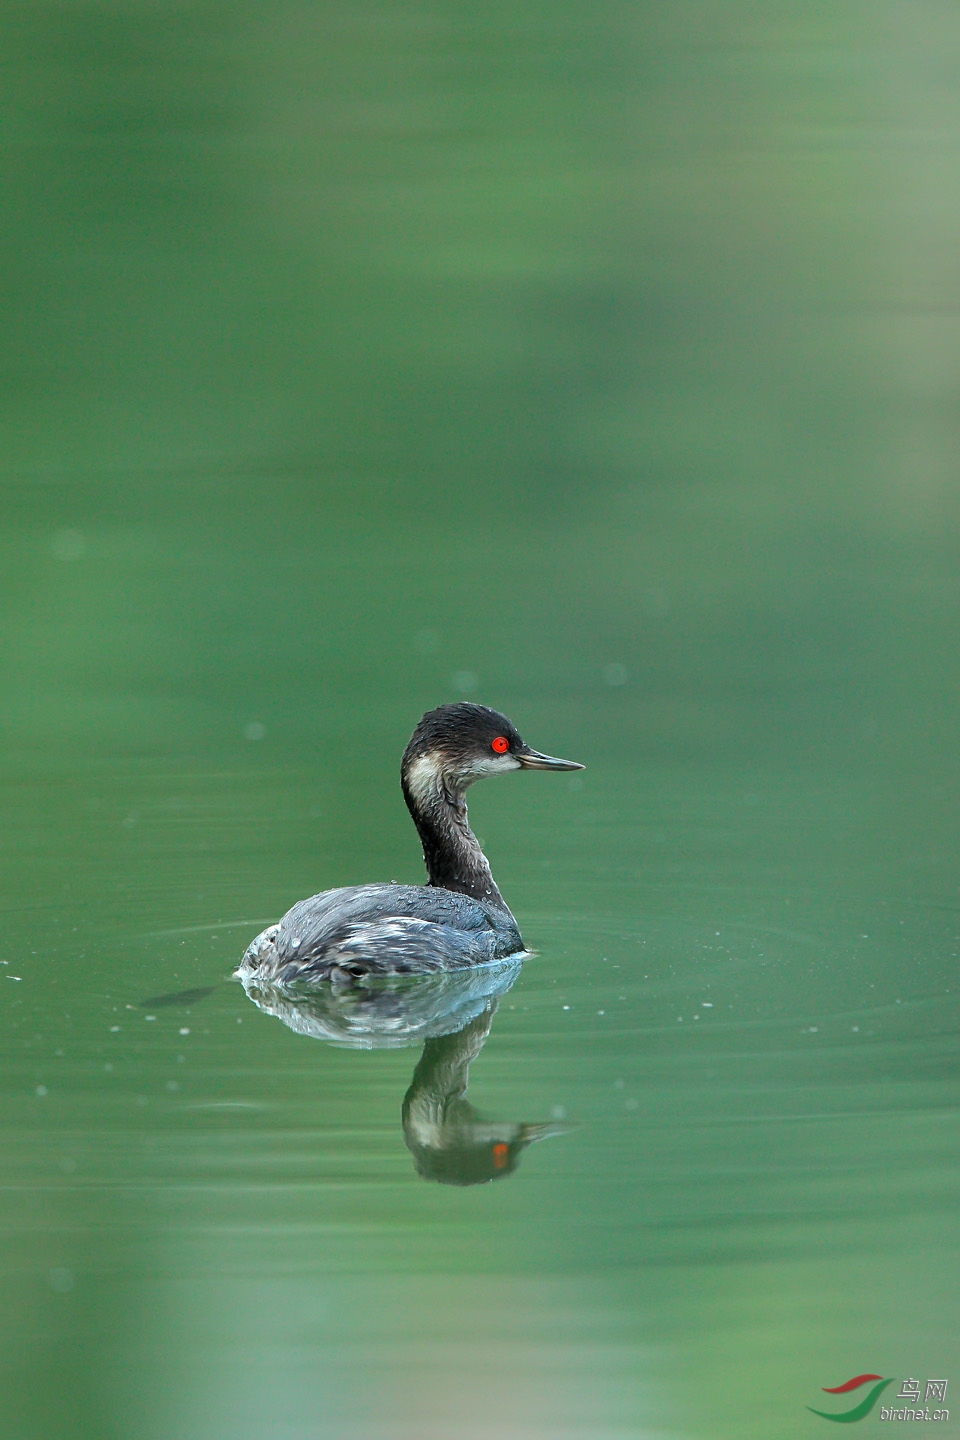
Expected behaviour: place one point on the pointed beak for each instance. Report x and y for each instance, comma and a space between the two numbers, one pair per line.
533, 760
544, 1130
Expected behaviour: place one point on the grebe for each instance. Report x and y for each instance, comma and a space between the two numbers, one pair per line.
459, 918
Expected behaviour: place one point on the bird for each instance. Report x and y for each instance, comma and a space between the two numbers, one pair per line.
459, 918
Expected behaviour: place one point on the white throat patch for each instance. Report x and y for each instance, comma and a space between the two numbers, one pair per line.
425, 778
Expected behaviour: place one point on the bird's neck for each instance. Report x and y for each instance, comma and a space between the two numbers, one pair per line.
451, 851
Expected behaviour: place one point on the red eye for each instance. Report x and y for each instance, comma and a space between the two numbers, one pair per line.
501, 744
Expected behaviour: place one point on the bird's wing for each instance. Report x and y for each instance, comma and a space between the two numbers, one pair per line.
390, 929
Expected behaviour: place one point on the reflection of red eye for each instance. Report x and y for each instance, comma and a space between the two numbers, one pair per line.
501, 1153
501, 744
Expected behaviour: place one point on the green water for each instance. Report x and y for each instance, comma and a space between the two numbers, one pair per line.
597, 363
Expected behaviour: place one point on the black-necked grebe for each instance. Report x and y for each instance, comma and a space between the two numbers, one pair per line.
459, 918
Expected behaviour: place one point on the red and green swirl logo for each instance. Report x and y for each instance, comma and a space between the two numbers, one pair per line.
863, 1407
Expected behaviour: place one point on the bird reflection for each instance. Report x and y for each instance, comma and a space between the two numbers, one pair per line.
448, 1140
451, 1015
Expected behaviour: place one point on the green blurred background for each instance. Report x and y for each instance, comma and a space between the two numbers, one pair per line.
599, 363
